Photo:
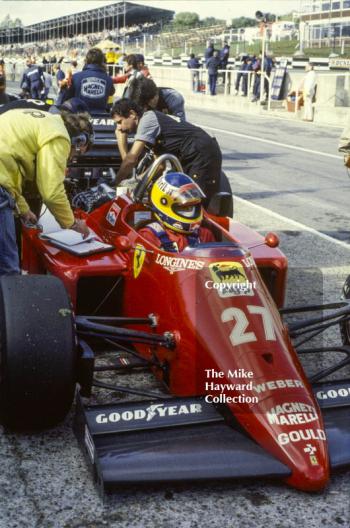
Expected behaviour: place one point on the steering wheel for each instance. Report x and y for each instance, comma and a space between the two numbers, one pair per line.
153, 173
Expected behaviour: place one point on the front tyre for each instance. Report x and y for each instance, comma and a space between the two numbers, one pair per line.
345, 325
37, 351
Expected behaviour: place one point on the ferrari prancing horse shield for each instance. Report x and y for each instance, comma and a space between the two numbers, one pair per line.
139, 258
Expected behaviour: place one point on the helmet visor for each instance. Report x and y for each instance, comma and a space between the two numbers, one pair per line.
189, 210
190, 193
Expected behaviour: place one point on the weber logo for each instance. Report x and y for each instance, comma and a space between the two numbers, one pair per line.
136, 416
156, 410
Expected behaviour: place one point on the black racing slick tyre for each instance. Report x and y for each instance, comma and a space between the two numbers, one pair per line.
37, 351
345, 325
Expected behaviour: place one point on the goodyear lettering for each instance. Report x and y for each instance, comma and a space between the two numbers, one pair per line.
301, 435
102, 122
277, 384
344, 392
148, 414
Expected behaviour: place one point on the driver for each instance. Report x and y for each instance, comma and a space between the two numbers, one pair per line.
176, 201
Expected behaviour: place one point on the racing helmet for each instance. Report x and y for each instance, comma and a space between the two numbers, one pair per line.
176, 201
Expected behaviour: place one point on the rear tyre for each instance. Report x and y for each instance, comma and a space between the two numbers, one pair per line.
37, 351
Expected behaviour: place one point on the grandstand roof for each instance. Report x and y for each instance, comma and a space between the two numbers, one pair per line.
107, 17
134, 14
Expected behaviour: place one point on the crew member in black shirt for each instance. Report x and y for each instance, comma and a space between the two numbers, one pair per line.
198, 152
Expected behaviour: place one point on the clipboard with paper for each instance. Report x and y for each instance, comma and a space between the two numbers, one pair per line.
70, 240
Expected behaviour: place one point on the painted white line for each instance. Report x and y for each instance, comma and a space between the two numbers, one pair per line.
284, 145
299, 225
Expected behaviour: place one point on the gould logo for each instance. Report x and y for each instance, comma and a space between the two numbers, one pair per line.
93, 87
158, 410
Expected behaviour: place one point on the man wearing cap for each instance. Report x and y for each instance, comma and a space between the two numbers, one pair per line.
35, 147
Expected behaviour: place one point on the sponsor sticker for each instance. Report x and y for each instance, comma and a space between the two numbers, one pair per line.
301, 435
157, 410
112, 214
278, 384
102, 122
174, 264
229, 279
93, 87
311, 449
292, 413
139, 258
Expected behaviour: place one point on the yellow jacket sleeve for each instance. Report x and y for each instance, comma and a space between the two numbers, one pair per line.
50, 173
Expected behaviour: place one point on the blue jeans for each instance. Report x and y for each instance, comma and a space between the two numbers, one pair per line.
9, 261
213, 77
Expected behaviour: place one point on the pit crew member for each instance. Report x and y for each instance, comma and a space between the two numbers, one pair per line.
92, 85
167, 100
198, 153
176, 202
35, 146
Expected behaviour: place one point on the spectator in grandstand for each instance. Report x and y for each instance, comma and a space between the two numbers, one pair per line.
209, 52
92, 85
199, 153
213, 65
35, 146
2, 67
167, 100
194, 65
4, 98
34, 77
224, 56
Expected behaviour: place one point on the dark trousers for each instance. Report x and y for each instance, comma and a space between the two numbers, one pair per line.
205, 168
9, 262
213, 77
35, 90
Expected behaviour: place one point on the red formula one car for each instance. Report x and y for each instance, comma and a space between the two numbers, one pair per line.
208, 322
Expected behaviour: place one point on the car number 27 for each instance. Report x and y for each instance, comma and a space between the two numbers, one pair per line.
239, 335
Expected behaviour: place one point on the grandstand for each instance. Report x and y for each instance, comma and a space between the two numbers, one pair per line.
113, 18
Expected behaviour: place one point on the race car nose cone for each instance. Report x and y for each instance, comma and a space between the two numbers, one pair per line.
123, 243
272, 240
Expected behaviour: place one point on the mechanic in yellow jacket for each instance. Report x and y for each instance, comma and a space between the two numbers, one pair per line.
35, 146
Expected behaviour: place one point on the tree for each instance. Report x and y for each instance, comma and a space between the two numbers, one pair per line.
7, 22
186, 20
212, 21
243, 22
